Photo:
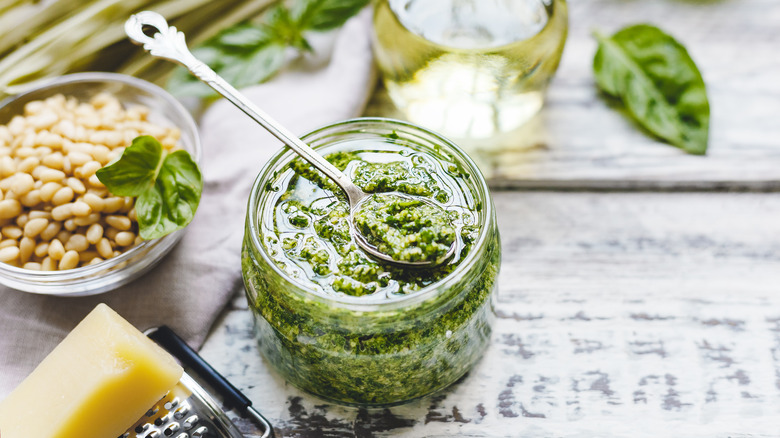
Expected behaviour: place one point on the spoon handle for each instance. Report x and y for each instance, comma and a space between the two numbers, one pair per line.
168, 43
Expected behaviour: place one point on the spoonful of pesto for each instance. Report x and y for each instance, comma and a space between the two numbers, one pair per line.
405, 230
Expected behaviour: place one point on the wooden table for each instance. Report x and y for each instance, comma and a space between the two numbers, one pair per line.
640, 287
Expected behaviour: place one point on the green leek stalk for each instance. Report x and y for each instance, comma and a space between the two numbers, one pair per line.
79, 40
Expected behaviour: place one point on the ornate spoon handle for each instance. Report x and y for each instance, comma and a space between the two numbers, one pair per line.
168, 43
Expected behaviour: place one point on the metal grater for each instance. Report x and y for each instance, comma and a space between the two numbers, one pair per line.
187, 411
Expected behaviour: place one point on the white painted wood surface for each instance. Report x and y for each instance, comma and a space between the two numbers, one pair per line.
581, 139
620, 314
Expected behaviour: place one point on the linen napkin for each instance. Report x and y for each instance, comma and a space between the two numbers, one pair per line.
193, 283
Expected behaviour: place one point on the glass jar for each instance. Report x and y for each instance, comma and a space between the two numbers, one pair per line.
470, 69
371, 350
114, 272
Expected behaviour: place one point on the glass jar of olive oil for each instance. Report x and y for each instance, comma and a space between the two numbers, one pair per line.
470, 69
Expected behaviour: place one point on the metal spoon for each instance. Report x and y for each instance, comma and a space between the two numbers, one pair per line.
168, 43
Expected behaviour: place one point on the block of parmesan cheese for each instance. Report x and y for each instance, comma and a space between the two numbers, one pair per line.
95, 384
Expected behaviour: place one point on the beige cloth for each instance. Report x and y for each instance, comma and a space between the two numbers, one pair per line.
191, 286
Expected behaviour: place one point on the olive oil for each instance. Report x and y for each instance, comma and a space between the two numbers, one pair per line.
469, 68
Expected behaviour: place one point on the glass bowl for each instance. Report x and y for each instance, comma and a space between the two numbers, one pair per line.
109, 274
379, 349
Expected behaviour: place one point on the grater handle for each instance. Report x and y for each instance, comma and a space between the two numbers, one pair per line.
175, 345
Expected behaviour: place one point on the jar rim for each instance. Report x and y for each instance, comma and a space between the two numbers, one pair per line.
363, 303
557, 4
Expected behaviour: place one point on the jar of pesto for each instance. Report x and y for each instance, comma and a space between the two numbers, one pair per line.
340, 325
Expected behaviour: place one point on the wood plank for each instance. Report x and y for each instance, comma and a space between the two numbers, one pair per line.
582, 140
627, 314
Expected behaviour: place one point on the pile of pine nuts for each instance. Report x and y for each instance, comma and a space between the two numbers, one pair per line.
54, 212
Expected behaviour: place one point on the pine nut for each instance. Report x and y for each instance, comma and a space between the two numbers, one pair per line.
121, 223
6, 183
100, 153
26, 248
49, 175
35, 214
22, 184
9, 253
124, 238
12, 231
69, 261
53, 161
27, 149
50, 140
7, 166
62, 196
94, 233
61, 212
33, 266
76, 185
79, 158
112, 204
10, 208
34, 227
94, 181
95, 202
64, 235
51, 230
88, 169
70, 225
56, 250
48, 190
31, 198
48, 264
42, 151
22, 219
42, 249
87, 220
81, 209
104, 248
77, 242
28, 164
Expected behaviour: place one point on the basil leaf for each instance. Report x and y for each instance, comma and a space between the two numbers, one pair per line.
171, 203
658, 82
245, 36
168, 186
135, 170
243, 55
326, 14
256, 68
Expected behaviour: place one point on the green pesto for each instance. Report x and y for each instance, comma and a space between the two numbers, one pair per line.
372, 361
404, 228
312, 231
370, 358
